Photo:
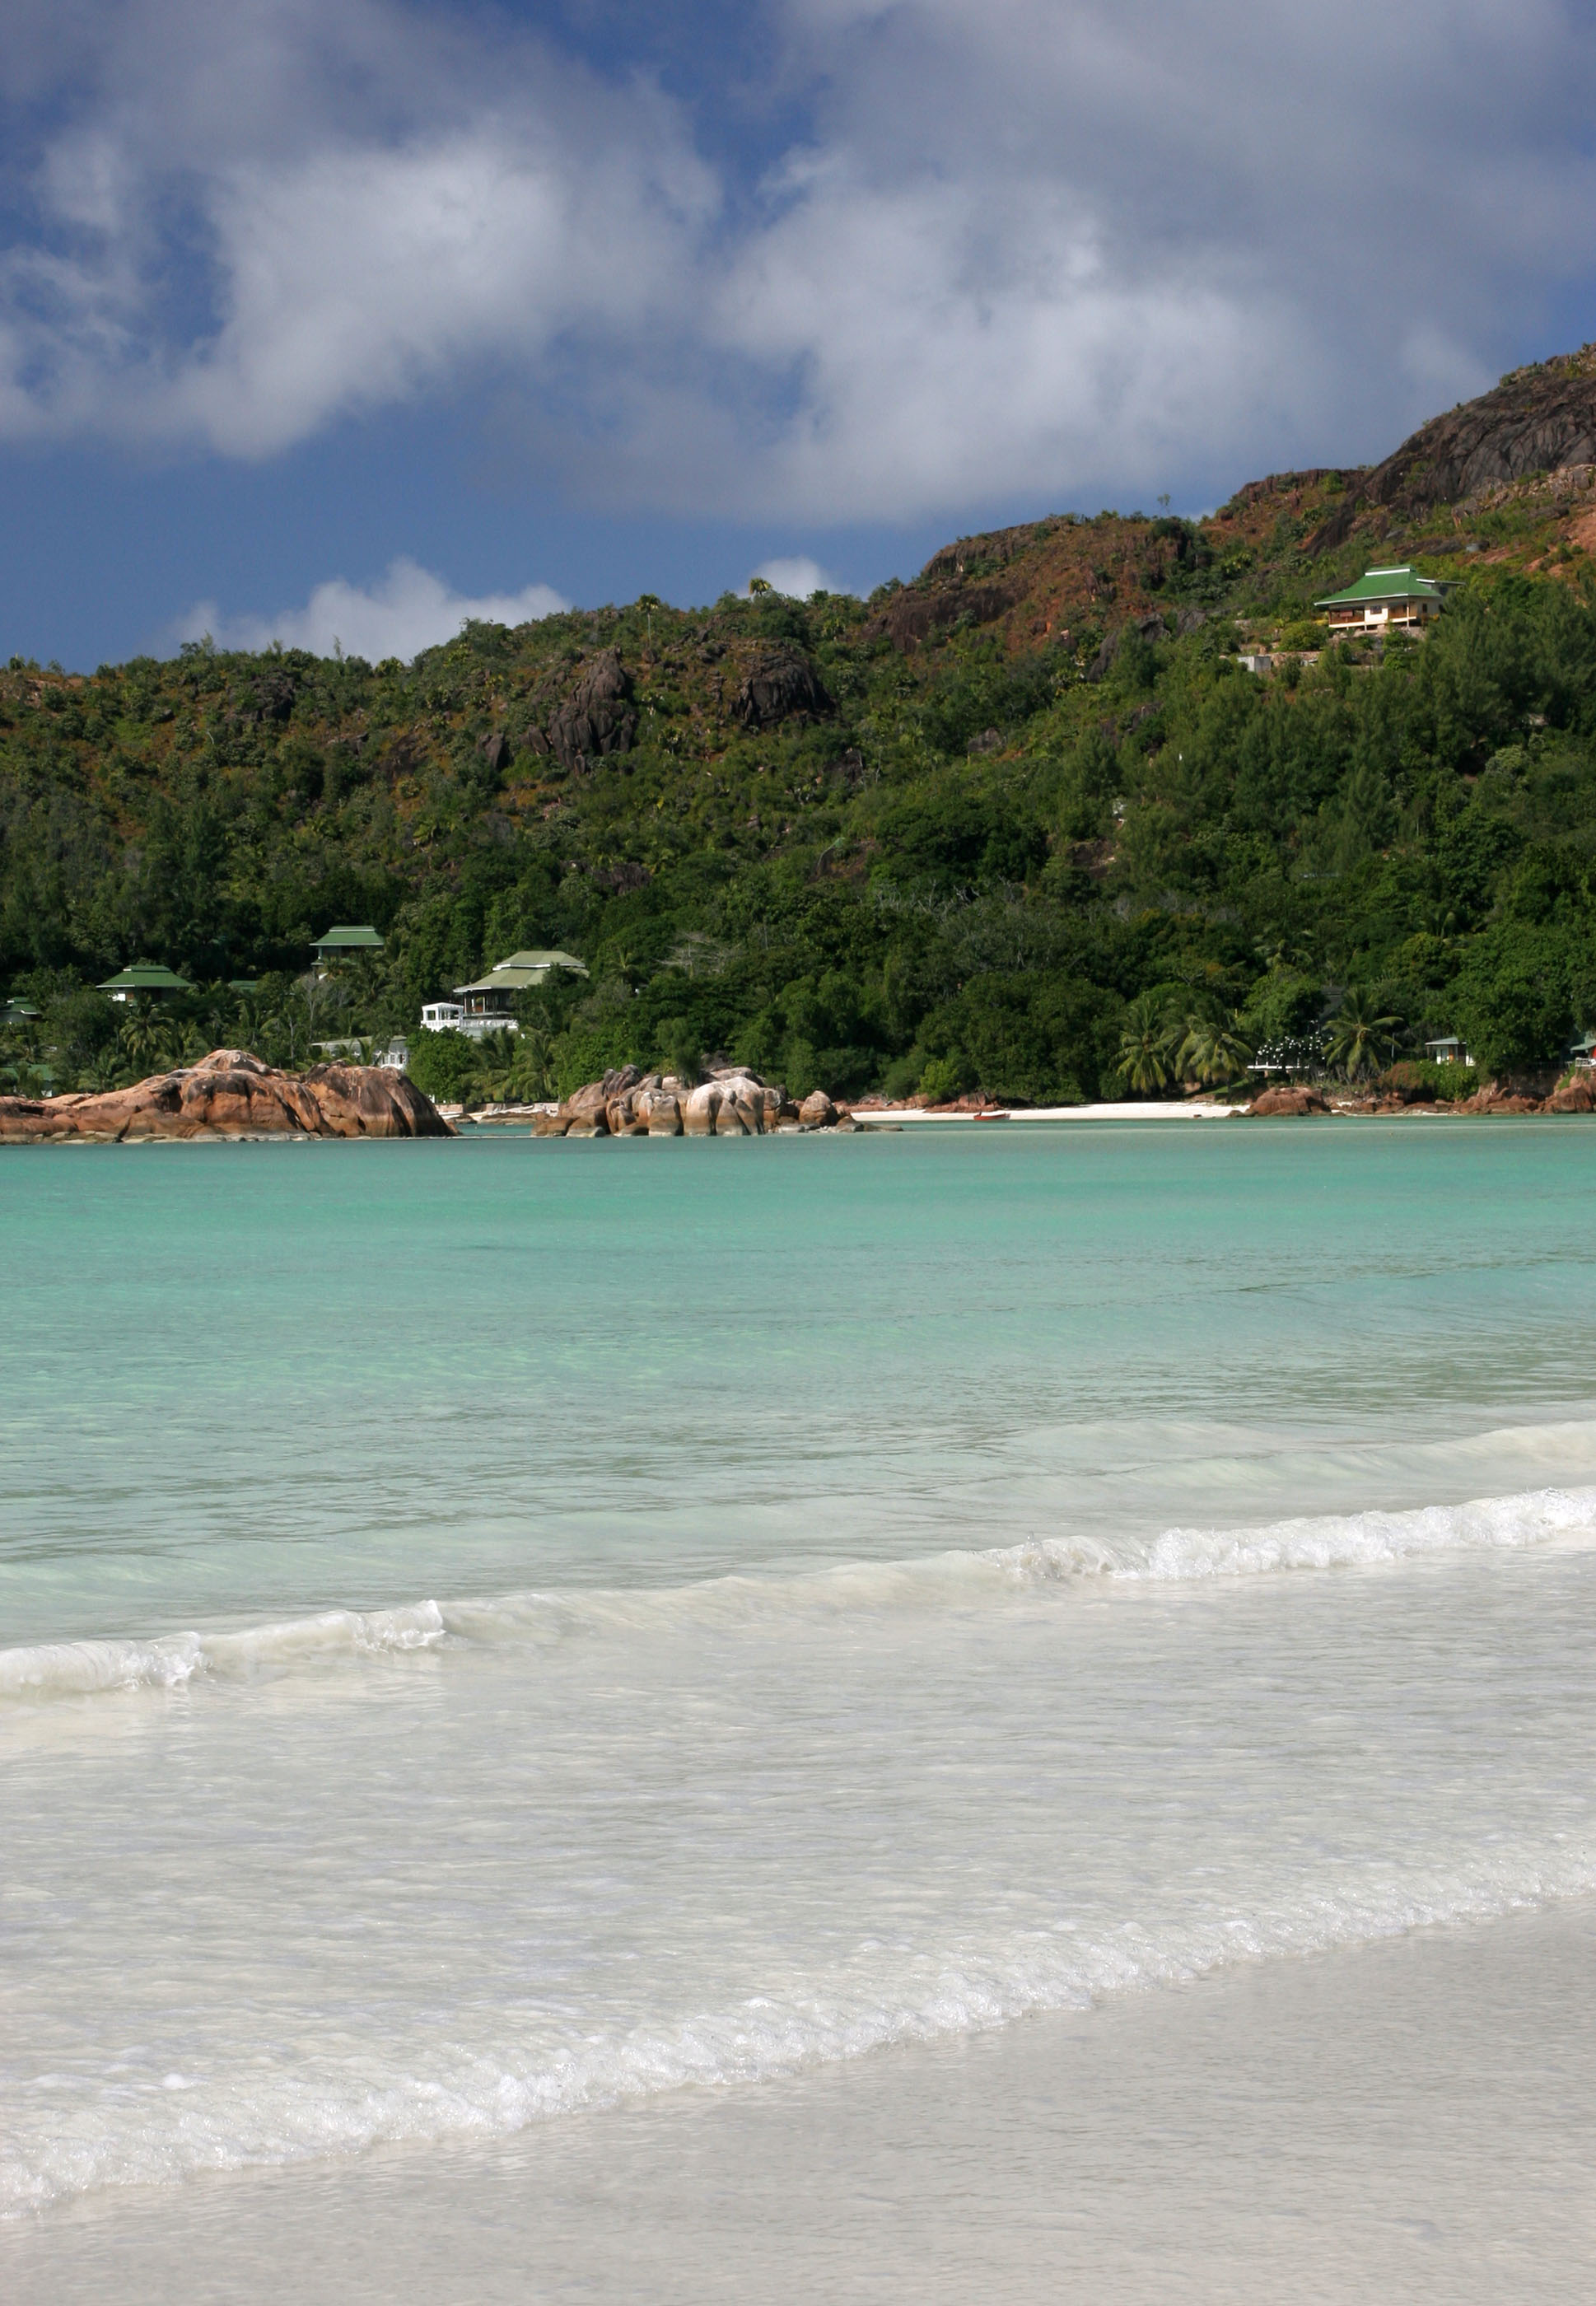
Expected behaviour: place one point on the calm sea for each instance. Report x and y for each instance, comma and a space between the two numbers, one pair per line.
497, 1631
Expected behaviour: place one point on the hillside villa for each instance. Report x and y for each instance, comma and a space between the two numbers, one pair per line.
487, 1006
144, 977
343, 943
1382, 600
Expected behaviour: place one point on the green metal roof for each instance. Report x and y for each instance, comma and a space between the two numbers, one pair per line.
521, 970
350, 940
17, 1012
146, 977
1403, 583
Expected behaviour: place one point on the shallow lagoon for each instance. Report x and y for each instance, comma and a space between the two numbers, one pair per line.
1172, 1647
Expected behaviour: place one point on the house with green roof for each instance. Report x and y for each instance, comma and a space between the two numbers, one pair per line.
343, 943
147, 977
487, 1005
1383, 600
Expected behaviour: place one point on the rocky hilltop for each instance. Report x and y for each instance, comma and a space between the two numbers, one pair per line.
1539, 421
972, 837
231, 1094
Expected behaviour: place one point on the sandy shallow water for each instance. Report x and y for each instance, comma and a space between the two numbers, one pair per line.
1413, 2121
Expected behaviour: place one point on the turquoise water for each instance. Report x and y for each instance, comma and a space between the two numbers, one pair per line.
256, 1378
493, 1629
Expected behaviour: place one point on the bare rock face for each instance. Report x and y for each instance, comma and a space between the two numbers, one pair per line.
914, 615
660, 1111
1535, 421
817, 1110
597, 720
1576, 1095
232, 1094
779, 683
1287, 1102
583, 1103
700, 1110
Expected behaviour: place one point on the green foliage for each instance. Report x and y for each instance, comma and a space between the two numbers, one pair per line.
444, 1066
1420, 1079
999, 859
1358, 1032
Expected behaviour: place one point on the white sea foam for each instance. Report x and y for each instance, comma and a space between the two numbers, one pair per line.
168, 1661
1527, 1518
165, 2129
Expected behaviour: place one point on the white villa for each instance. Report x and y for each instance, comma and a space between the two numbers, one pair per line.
487, 1006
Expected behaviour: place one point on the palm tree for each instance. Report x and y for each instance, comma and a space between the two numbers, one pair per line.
146, 1040
1354, 1031
1147, 1046
496, 1055
1214, 1050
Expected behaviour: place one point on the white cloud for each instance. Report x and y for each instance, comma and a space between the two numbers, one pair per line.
355, 207
409, 610
797, 576
1022, 249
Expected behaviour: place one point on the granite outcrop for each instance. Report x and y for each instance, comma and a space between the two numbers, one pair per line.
230, 1093
733, 1102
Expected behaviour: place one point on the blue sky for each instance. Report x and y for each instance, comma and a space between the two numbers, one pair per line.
350, 317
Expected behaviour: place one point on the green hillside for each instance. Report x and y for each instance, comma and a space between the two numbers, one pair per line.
980, 830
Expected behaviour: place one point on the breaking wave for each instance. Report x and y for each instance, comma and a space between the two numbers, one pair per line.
179, 2125
1304, 1543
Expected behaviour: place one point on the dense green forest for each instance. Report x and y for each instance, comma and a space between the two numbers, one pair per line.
932, 841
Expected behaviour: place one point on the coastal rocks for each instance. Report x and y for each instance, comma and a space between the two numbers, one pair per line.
1512, 1096
660, 1111
1288, 1102
230, 1093
817, 1110
732, 1102
1576, 1095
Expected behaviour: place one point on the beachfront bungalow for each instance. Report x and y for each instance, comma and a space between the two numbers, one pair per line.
1448, 1050
344, 944
147, 980
1583, 1052
487, 1006
1383, 600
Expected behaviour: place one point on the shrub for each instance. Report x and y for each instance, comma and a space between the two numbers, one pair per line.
945, 1077
443, 1066
1417, 1080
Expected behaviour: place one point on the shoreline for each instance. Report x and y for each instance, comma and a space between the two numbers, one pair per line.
1413, 2118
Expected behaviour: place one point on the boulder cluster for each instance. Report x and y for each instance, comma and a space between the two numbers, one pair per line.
231, 1094
732, 1102
1509, 1094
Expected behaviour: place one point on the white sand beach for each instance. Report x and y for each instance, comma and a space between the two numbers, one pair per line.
1412, 2121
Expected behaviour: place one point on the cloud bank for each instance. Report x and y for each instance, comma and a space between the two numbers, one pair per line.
797, 576
409, 611
1023, 248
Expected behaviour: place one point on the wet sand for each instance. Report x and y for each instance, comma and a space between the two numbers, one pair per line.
1413, 2121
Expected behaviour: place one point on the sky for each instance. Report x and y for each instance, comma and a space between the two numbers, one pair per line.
339, 321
